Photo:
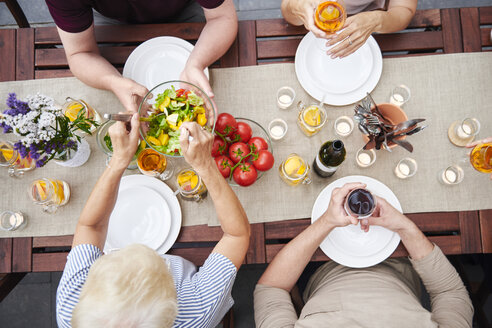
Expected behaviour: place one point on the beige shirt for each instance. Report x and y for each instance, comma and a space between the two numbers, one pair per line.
385, 295
357, 6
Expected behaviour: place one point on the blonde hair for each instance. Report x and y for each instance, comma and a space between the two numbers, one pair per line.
131, 287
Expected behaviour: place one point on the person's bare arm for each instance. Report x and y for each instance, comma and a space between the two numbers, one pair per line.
92, 226
87, 64
290, 262
216, 38
232, 217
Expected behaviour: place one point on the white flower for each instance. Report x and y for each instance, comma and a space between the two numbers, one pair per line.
46, 119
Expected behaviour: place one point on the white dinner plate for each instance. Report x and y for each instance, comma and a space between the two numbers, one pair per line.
158, 60
349, 245
140, 216
337, 81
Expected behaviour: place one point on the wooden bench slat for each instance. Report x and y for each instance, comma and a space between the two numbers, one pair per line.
485, 15
22, 254
451, 30
55, 241
7, 53
247, 43
199, 233
127, 33
44, 262
430, 40
52, 73
486, 230
196, 255
426, 18
449, 245
256, 250
277, 48
485, 37
25, 54
470, 232
56, 57
5, 255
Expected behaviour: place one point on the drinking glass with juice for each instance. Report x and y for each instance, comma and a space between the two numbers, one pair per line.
73, 107
330, 16
190, 185
49, 193
311, 118
481, 157
12, 159
153, 164
294, 170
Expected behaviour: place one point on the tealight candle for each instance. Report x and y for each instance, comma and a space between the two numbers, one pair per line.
365, 158
464, 131
285, 97
11, 221
406, 168
344, 126
451, 175
277, 129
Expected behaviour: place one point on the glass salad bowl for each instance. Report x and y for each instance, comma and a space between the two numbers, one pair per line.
166, 107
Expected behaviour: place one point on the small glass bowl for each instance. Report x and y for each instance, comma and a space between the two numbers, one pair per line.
277, 129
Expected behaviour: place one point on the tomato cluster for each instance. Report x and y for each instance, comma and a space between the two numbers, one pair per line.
237, 153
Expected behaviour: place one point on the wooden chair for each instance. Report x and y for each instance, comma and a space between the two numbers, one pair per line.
274, 40
476, 23
41, 55
17, 12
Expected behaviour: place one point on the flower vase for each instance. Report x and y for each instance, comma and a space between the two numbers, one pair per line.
74, 157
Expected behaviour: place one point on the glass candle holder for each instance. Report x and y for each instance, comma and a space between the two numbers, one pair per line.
277, 129
344, 126
365, 157
461, 133
285, 97
400, 95
406, 168
11, 221
452, 175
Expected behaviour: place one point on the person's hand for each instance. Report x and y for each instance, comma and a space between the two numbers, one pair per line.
129, 93
124, 143
303, 11
387, 216
195, 75
354, 34
478, 142
335, 214
197, 149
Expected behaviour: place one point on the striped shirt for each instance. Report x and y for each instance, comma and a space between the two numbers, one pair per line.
204, 297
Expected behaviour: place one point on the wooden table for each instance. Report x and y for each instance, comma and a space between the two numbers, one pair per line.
30, 53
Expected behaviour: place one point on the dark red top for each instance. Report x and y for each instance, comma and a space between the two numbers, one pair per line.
76, 15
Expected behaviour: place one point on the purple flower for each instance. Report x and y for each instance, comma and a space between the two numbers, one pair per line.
6, 128
41, 162
11, 100
16, 106
71, 144
34, 155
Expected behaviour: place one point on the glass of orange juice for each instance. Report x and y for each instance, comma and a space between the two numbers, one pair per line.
481, 157
294, 170
330, 16
154, 164
190, 185
49, 193
72, 107
311, 118
10, 158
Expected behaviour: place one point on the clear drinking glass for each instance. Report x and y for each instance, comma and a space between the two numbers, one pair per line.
406, 168
49, 193
400, 95
452, 175
294, 170
154, 164
104, 142
277, 129
311, 118
365, 157
190, 185
10, 158
461, 133
285, 97
10, 221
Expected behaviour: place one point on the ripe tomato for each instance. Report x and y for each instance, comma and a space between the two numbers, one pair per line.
263, 160
226, 124
257, 143
243, 132
237, 151
245, 174
224, 164
219, 147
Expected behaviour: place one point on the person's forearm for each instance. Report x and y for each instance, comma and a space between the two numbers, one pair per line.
416, 243
230, 212
215, 39
92, 69
292, 12
393, 20
289, 263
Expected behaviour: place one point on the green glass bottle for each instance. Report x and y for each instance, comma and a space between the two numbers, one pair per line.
330, 156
